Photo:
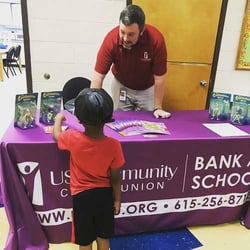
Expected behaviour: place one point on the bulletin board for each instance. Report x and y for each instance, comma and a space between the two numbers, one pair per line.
243, 57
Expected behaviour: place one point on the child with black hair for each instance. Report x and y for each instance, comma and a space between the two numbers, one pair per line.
95, 162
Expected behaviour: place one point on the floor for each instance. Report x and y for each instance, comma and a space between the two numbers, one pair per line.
229, 236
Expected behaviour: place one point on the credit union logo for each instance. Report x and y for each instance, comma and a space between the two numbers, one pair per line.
30, 171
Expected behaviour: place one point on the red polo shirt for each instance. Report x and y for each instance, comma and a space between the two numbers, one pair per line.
134, 68
90, 159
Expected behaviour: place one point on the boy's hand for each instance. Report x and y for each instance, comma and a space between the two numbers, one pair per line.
60, 117
117, 207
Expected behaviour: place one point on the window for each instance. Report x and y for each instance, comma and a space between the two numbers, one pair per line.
10, 14
5, 14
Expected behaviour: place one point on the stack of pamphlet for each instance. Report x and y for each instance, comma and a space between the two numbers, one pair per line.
136, 127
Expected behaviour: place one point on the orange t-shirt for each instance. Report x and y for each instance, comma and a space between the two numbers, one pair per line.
90, 159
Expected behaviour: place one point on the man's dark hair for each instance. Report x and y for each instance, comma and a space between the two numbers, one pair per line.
133, 14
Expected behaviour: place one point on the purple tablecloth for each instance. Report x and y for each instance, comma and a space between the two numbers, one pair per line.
190, 177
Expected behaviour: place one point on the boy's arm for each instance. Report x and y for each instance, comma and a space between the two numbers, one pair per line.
58, 125
116, 181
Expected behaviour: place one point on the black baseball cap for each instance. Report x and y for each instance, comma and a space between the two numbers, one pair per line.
94, 107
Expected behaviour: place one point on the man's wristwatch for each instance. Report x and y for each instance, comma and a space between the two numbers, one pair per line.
156, 108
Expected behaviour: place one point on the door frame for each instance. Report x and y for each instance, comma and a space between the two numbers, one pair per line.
217, 49
26, 38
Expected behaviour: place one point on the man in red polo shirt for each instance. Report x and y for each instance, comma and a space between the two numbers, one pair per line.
137, 55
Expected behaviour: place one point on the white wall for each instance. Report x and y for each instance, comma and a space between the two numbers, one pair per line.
228, 79
65, 37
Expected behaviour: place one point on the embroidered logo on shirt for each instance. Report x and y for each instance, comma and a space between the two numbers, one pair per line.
145, 56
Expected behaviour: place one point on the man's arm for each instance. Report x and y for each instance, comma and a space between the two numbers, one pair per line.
97, 80
159, 91
116, 181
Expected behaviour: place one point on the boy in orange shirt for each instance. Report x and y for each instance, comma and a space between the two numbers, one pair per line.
95, 162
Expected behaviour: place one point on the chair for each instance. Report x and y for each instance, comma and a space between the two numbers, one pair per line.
15, 59
71, 89
7, 62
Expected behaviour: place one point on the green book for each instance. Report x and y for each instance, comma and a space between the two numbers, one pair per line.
50, 106
240, 110
219, 106
25, 110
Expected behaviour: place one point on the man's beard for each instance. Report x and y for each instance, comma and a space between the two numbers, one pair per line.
127, 45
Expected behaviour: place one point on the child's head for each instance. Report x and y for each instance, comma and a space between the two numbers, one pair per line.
94, 107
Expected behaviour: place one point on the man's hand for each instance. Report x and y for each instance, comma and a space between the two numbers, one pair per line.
160, 113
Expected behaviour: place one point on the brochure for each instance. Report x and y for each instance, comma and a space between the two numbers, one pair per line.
136, 127
49, 129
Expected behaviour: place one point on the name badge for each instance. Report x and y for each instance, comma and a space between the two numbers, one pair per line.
123, 95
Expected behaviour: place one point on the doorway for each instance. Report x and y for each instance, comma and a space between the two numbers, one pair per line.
11, 34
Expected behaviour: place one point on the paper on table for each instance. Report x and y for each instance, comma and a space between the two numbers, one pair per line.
49, 129
225, 129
